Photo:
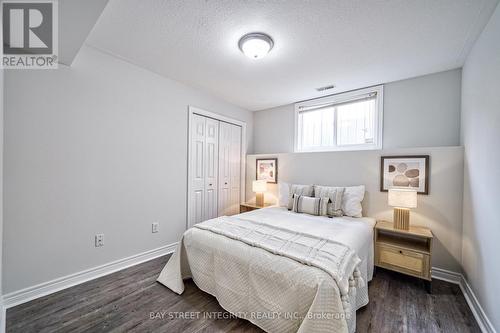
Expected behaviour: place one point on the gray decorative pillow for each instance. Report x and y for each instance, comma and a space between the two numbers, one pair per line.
306, 190
310, 205
335, 194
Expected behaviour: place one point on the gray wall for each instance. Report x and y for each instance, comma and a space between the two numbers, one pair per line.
1, 183
441, 210
481, 137
418, 112
100, 147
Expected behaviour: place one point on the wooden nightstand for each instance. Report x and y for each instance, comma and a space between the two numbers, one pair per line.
405, 251
249, 206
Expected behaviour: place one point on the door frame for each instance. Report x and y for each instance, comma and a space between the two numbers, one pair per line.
192, 110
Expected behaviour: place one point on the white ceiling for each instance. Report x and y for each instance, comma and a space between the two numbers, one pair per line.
76, 19
350, 43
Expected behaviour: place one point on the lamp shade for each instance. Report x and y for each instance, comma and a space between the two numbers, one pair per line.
259, 186
402, 198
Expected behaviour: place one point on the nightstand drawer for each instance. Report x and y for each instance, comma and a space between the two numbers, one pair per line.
405, 261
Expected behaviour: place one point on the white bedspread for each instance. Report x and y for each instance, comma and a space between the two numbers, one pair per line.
275, 292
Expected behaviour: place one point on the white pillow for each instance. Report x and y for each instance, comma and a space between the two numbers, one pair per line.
283, 193
351, 201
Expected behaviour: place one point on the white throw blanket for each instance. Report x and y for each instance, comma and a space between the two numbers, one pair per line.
246, 280
335, 258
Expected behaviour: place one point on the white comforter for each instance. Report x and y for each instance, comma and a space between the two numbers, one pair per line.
273, 291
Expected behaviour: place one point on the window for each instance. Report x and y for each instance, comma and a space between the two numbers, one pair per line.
348, 121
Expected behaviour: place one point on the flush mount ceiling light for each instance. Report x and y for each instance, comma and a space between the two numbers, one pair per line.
256, 45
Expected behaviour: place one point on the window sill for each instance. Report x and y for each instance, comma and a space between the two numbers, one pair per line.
343, 149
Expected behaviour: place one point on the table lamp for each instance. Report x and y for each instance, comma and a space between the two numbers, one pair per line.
402, 200
259, 187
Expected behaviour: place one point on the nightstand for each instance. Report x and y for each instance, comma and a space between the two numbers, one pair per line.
405, 251
249, 206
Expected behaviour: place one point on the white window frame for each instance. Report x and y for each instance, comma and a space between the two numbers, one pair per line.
339, 98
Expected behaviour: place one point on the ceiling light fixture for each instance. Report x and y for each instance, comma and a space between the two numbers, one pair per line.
256, 45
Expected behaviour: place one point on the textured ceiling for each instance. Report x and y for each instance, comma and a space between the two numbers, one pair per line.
350, 43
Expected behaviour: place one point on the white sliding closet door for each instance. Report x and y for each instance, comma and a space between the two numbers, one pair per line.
214, 185
229, 168
197, 166
204, 159
224, 168
211, 167
235, 170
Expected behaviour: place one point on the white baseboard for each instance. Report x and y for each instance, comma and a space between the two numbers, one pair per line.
476, 308
445, 275
46, 288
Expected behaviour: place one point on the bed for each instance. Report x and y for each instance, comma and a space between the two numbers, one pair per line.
285, 286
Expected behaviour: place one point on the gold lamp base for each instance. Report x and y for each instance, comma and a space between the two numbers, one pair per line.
259, 199
401, 218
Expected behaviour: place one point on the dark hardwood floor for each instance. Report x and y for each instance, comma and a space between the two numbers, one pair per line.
125, 301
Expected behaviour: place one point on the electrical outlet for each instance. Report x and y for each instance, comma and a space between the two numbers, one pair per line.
99, 240
154, 227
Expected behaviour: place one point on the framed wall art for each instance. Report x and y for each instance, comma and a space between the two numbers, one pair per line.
267, 169
410, 172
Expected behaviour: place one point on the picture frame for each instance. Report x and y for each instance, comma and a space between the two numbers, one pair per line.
267, 169
405, 172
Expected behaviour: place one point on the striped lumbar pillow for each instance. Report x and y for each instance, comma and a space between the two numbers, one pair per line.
310, 205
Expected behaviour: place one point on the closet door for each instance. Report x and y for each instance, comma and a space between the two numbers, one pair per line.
197, 160
224, 168
211, 167
229, 168
215, 169
235, 170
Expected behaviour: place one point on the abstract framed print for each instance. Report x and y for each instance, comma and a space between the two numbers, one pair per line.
410, 172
